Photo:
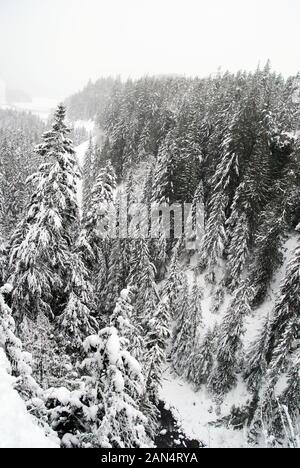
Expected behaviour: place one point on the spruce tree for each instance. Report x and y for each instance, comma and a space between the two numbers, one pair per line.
3, 260
239, 247
39, 258
101, 208
215, 238
115, 384
123, 320
229, 342
116, 278
291, 394
48, 350
256, 363
76, 321
164, 183
202, 360
19, 359
284, 324
99, 227
156, 342
88, 176
174, 282
142, 277
268, 250
186, 333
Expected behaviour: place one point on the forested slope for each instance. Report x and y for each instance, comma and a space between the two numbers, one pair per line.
111, 303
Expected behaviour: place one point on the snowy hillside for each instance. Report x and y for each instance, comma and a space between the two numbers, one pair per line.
17, 428
197, 411
154, 271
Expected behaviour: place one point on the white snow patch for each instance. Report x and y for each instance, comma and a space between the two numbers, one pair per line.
113, 347
196, 410
92, 341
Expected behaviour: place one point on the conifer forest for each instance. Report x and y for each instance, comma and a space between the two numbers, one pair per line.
150, 264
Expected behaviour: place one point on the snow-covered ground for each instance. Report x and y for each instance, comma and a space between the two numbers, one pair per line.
196, 410
17, 428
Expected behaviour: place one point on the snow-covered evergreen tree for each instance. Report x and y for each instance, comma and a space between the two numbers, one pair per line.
218, 296
164, 183
186, 332
174, 282
202, 359
123, 320
239, 246
99, 227
142, 277
40, 256
97, 221
3, 260
76, 321
88, 176
156, 342
19, 359
268, 255
291, 394
51, 364
117, 275
116, 383
256, 363
229, 342
215, 238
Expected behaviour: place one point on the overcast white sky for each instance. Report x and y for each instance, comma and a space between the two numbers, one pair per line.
52, 47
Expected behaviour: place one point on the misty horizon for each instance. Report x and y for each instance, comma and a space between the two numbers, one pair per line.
53, 48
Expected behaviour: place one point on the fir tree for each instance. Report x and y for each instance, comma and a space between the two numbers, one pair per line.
202, 360
164, 182
97, 221
174, 282
215, 238
156, 342
88, 178
218, 298
239, 247
256, 363
19, 359
229, 343
76, 322
48, 352
119, 424
291, 394
268, 254
99, 226
284, 324
39, 259
3, 260
142, 277
122, 320
117, 276
186, 332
